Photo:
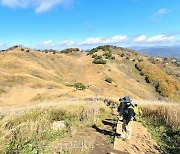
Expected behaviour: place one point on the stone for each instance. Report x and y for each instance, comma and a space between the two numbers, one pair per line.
58, 125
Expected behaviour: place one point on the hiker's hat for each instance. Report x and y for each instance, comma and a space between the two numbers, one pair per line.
126, 99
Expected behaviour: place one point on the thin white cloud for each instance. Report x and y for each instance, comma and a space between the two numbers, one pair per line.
161, 11
118, 40
38, 5
141, 38
67, 43
154, 39
46, 5
48, 43
108, 40
15, 3
91, 41
157, 17
160, 38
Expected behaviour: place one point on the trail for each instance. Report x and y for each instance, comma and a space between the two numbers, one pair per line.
140, 143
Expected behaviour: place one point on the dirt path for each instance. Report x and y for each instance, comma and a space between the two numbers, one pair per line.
140, 143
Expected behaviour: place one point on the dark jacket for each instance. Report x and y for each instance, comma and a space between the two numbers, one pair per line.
127, 111
129, 115
121, 108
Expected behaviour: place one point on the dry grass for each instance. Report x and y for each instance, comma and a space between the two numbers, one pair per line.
25, 130
162, 121
170, 112
36, 70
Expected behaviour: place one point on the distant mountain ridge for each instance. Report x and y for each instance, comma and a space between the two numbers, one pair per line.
160, 51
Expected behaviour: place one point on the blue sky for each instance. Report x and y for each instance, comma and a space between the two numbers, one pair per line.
87, 23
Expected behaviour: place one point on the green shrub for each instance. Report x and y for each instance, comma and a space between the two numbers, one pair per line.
94, 55
122, 55
177, 63
108, 55
105, 48
140, 60
69, 50
109, 80
66, 51
113, 57
92, 51
79, 86
99, 61
98, 57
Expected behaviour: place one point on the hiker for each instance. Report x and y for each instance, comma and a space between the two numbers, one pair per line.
120, 108
138, 113
127, 114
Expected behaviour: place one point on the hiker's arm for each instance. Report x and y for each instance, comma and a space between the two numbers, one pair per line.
121, 109
130, 115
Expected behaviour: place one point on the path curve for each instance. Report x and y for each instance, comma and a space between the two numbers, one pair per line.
140, 143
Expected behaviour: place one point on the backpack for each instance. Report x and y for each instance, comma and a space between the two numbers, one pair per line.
125, 110
138, 113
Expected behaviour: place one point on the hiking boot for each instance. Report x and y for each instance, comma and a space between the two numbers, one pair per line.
120, 136
126, 140
117, 135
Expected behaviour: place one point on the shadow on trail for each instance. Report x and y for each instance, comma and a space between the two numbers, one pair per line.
110, 126
107, 122
102, 131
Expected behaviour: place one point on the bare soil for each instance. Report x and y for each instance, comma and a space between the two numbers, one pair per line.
140, 143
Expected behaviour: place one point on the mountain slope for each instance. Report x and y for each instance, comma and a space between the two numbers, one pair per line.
28, 77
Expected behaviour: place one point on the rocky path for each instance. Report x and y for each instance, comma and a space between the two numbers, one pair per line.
140, 143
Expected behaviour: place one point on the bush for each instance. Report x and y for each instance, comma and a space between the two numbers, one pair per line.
108, 55
113, 57
140, 60
122, 55
99, 61
92, 51
109, 80
94, 55
79, 86
69, 50
105, 48
177, 63
98, 57
163, 83
66, 51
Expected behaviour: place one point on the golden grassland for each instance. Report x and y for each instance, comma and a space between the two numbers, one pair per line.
29, 77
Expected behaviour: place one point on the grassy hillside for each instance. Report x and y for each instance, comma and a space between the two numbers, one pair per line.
28, 76
38, 88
